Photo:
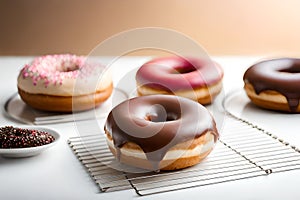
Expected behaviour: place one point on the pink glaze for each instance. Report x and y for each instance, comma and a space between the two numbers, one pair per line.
177, 73
53, 69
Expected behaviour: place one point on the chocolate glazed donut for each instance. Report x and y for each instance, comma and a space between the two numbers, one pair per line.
275, 84
160, 126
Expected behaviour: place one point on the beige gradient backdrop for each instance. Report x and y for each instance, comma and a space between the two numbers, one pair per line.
222, 27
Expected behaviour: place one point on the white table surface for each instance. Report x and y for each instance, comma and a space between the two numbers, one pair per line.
57, 174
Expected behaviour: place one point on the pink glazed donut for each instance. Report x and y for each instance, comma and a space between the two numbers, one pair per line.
193, 78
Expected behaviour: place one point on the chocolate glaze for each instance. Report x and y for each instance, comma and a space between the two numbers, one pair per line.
177, 73
158, 122
281, 75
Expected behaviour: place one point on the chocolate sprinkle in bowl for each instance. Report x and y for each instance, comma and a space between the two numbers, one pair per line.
26, 141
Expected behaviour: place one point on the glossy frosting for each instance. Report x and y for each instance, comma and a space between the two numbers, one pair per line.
281, 75
60, 74
158, 122
177, 73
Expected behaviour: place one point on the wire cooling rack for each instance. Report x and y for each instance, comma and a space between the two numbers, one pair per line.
243, 151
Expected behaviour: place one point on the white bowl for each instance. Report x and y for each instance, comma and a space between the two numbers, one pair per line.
30, 151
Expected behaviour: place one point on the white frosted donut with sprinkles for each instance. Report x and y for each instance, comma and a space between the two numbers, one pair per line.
64, 83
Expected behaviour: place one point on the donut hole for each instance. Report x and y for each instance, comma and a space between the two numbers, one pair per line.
67, 65
154, 117
292, 70
184, 70
69, 68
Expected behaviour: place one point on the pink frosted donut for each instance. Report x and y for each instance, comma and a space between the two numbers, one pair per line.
63, 83
193, 78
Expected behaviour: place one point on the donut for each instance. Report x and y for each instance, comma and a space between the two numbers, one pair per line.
160, 132
64, 83
193, 78
274, 84
13, 137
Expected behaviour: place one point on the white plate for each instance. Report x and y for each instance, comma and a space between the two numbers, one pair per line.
16, 109
284, 125
30, 151
238, 104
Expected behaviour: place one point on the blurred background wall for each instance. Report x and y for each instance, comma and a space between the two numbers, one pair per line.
222, 27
